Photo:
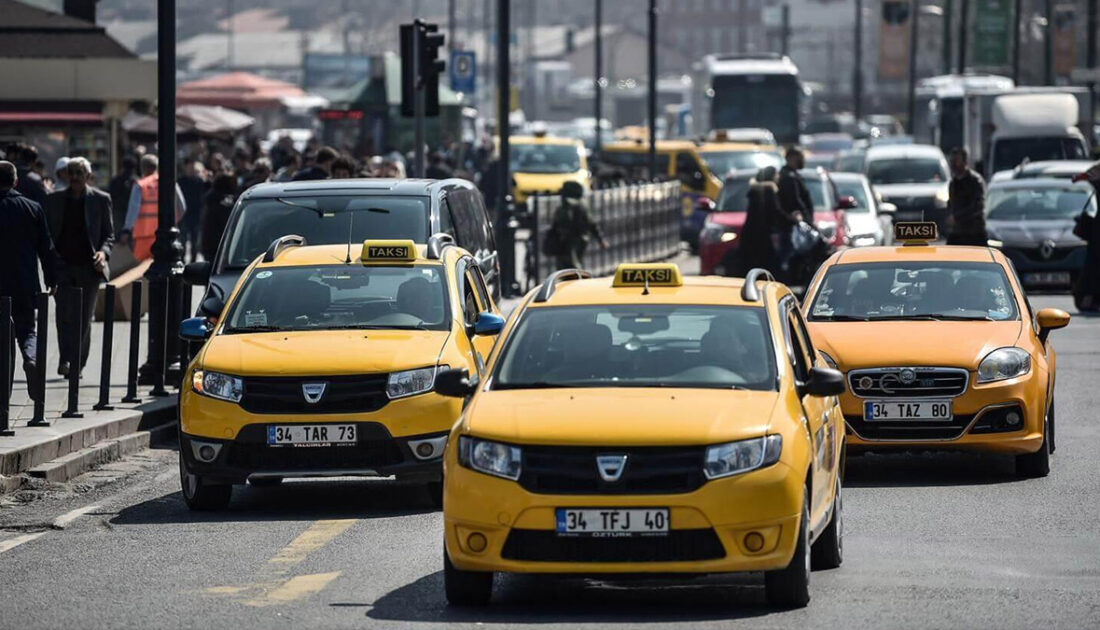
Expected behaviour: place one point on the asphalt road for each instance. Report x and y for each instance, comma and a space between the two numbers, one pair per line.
933, 541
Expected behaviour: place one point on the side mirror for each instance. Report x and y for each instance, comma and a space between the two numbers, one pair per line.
195, 329
887, 208
1050, 319
197, 273
455, 383
846, 202
824, 382
212, 306
488, 324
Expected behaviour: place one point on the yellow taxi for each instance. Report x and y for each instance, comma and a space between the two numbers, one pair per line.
541, 164
940, 347
646, 423
322, 363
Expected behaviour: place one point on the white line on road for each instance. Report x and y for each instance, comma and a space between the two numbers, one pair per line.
68, 517
12, 543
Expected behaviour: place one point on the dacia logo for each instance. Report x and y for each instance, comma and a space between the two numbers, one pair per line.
387, 251
641, 276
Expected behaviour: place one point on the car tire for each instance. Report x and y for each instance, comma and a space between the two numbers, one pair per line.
201, 496
1037, 464
435, 493
265, 482
466, 588
790, 587
828, 550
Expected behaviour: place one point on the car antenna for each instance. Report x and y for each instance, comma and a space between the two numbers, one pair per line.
351, 227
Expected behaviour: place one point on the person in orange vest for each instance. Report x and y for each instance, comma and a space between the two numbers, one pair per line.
140, 228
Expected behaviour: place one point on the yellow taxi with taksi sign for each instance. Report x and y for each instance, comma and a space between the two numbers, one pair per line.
323, 363
646, 423
940, 347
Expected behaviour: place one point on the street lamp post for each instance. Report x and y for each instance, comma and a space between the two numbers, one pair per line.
505, 243
857, 71
964, 30
652, 89
914, 33
598, 72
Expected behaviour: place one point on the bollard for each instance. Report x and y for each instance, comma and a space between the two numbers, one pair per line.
104, 403
7, 360
160, 328
135, 343
43, 332
76, 354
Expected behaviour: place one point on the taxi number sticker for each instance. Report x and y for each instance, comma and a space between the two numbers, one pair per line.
611, 523
889, 410
255, 319
310, 434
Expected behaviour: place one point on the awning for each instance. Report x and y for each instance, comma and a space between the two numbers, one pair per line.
51, 118
200, 120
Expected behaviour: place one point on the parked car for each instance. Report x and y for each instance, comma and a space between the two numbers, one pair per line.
1032, 220
829, 206
912, 177
870, 221
850, 161
1058, 169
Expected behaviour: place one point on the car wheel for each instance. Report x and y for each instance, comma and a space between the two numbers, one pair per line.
265, 482
466, 588
1037, 464
828, 550
790, 587
435, 493
201, 496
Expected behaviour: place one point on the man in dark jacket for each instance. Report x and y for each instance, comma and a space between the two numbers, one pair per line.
795, 202
82, 227
24, 244
30, 184
322, 166
965, 203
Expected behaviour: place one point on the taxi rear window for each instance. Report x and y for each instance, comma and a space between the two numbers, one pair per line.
721, 347
932, 290
329, 297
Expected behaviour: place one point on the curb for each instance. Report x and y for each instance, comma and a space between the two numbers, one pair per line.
74, 464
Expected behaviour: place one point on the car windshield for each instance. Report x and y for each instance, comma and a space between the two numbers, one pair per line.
1009, 152
333, 297
907, 171
545, 158
734, 195
722, 162
857, 191
1036, 204
720, 347
323, 221
914, 290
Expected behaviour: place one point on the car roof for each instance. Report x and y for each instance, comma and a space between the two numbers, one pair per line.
1056, 166
709, 290
551, 140
1038, 182
336, 255
894, 151
952, 253
358, 186
683, 145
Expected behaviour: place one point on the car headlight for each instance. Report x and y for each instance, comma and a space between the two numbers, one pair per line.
1004, 363
715, 233
735, 458
412, 382
217, 385
942, 196
491, 458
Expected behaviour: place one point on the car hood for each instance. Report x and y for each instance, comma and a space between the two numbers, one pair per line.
619, 416
323, 352
728, 219
856, 345
893, 191
1033, 233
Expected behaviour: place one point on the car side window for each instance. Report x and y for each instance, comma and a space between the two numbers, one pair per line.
804, 335
689, 171
467, 233
470, 306
475, 277
798, 349
485, 222
446, 221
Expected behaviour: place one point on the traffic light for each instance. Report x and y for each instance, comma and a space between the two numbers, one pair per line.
426, 77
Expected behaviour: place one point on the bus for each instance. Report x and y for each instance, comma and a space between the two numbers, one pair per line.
751, 90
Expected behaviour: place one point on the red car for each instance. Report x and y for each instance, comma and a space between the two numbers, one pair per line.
718, 239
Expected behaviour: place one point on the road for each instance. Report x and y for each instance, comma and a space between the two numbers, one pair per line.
933, 541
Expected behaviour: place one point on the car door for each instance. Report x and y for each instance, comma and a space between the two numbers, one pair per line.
475, 300
800, 353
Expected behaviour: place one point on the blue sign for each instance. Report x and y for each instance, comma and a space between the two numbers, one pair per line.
463, 71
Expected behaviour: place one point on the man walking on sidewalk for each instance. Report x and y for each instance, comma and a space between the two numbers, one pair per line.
141, 216
24, 244
82, 227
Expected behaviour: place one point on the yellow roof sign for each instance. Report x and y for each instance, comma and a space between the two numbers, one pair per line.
388, 251
647, 274
915, 232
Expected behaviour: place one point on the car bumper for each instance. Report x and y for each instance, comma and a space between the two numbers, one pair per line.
707, 526
978, 422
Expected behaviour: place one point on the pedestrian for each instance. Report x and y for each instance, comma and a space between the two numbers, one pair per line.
1086, 292
120, 188
292, 163
343, 168
571, 228
25, 244
261, 173
965, 203
794, 200
81, 226
61, 174
215, 212
193, 185
437, 167
140, 227
765, 223
30, 184
322, 166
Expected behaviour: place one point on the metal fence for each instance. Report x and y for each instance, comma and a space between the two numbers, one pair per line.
640, 222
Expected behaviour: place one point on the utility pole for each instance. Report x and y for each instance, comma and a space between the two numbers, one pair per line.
1016, 19
857, 71
598, 74
964, 30
914, 33
948, 10
785, 30
451, 26
1048, 44
506, 245
418, 103
1091, 60
652, 51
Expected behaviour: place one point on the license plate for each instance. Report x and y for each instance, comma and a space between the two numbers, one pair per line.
890, 410
1047, 278
310, 434
611, 522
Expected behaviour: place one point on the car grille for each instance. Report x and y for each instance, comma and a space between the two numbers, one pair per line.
343, 394
677, 545
1035, 254
927, 382
374, 449
910, 429
649, 470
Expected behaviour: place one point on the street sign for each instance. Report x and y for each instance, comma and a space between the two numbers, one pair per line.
463, 71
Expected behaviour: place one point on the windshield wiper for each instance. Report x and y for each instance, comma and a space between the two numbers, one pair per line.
839, 318
254, 328
931, 317
370, 327
963, 318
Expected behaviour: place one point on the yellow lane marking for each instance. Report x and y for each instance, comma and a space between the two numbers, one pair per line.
294, 589
12, 543
318, 535
63, 521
